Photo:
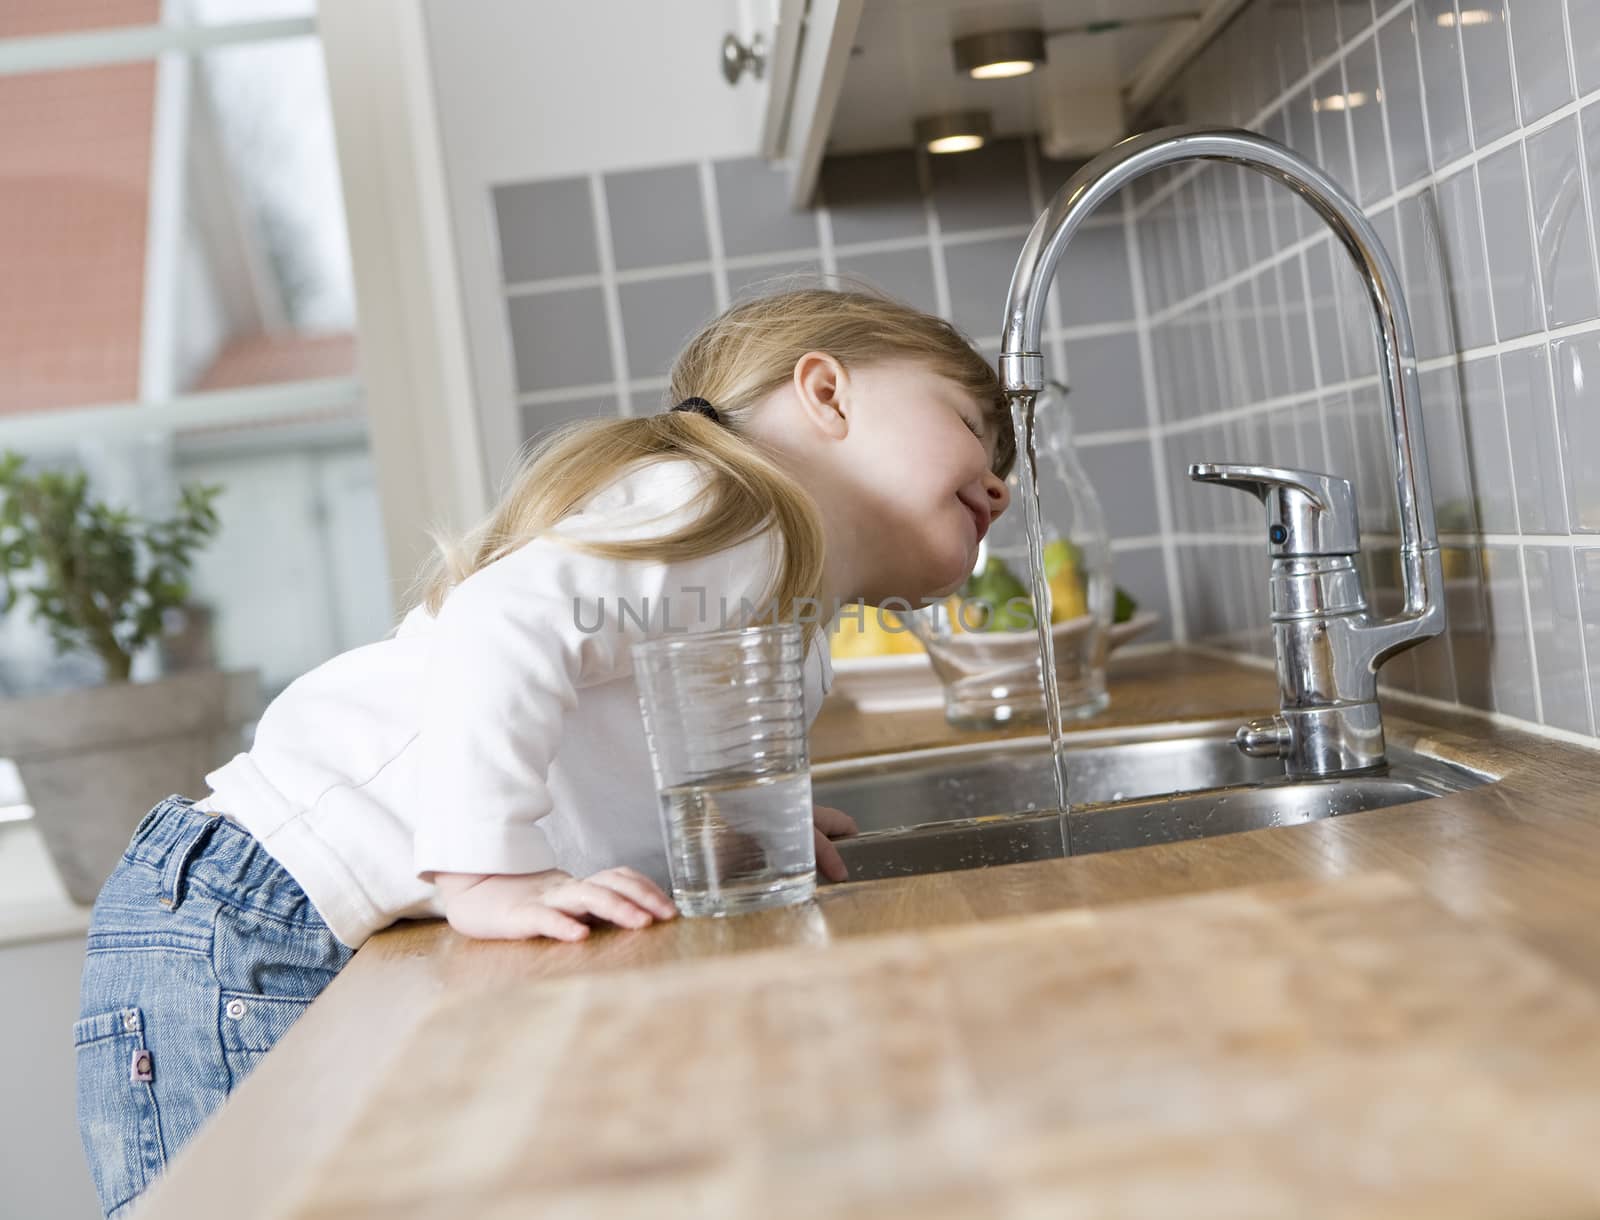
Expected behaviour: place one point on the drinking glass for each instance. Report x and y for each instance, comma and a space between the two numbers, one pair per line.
724, 714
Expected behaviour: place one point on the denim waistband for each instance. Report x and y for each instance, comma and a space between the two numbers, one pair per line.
183, 843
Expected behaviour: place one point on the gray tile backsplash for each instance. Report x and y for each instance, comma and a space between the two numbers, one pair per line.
1106, 390
660, 315
1473, 146
1466, 269
979, 273
1402, 101
1588, 564
1366, 123
539, 421
1513, 273
1539, 52
1583, 19
1566, 257
766, 278
1494, 496
1092, 281
1490, 94
1575, 362
559, 339
546, 230
1535, 448
907, 274
1443, 82
753, 206
1557, 636
657, 217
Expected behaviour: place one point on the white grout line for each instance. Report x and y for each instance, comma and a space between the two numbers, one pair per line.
1594, 266
1459, 540
1068, 334
1454, 540
608, 291
828, 251
712, 215
1110, 436
1383, 92
535, 398
746, 262
1583, 642
1139, 542
1531, 635
559, 283
1519, 136
1349, 123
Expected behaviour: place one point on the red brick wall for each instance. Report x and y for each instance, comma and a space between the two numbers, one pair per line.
260, 359
74, 190
23, 17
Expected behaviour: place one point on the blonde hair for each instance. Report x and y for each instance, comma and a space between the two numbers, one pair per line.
734, 363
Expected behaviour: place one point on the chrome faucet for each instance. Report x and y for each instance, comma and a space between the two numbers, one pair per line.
1329, 645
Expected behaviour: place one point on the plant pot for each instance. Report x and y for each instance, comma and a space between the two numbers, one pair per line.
95, 761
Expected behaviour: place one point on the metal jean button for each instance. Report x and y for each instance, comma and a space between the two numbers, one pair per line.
236, 1009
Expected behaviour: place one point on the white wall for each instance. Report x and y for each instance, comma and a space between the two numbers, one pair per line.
550, 88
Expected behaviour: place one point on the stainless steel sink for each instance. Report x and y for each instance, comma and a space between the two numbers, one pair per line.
975, 806
941, 785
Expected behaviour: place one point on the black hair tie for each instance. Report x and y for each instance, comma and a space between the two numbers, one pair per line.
701, 406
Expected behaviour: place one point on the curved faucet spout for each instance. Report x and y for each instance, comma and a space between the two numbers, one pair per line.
1022, 363
1329, 644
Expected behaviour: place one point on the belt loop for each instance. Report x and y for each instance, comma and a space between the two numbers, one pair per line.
197, 828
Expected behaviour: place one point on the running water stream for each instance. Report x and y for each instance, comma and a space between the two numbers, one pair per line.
1022, 424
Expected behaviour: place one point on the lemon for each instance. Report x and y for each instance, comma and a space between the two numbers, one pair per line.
1068, 598
871, 637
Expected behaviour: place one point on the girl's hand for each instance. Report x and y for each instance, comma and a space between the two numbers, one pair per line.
551, 903
829, 824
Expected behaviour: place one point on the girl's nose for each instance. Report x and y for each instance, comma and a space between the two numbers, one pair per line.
999, 494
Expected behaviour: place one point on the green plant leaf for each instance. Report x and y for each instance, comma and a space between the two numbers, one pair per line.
100, 576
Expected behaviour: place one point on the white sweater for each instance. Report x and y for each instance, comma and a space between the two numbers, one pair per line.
503, 736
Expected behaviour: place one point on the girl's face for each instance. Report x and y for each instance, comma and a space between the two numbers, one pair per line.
921, 449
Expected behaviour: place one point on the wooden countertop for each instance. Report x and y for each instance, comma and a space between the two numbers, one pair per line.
1520, 857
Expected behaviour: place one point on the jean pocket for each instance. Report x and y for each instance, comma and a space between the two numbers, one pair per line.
117, 1117
251, 1025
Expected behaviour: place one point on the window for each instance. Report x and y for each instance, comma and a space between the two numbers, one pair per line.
177, 305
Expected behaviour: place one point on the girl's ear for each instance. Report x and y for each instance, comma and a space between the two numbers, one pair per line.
821, 384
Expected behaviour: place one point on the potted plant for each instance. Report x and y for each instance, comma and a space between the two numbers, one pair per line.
93, 761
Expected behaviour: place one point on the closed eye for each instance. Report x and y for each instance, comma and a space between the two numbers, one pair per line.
977, 431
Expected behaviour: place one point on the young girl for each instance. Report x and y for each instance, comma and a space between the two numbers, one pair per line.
487, 762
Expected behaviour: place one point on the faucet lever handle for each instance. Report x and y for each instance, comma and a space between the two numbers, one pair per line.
1308, 513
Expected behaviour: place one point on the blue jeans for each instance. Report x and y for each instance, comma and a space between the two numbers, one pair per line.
202, 951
